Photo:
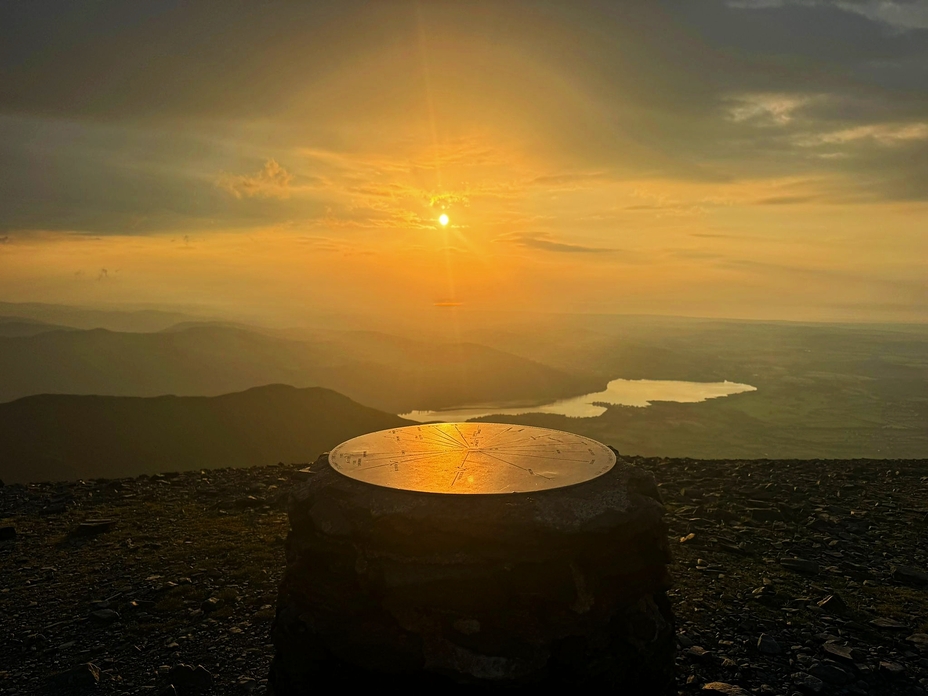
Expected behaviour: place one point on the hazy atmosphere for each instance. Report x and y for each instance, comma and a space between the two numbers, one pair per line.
275, 161
464, 346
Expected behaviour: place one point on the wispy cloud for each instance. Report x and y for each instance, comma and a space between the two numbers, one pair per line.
272, 181
766, 108
568, 181
911, 14
545, 242
881, 133
900, 14
786, 200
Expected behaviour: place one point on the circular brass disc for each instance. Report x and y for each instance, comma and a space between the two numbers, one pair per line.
472, 458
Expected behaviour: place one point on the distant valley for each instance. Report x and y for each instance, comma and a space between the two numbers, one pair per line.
822, 390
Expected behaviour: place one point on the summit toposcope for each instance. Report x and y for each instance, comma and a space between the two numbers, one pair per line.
484, 556
475, 458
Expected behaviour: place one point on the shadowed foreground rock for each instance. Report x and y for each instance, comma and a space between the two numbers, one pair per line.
387, 587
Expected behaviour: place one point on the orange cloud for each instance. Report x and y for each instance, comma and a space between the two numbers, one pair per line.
273, 181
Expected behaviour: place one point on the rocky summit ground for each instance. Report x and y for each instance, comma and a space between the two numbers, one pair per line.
790, 577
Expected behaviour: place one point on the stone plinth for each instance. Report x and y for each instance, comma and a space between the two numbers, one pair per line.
388, 587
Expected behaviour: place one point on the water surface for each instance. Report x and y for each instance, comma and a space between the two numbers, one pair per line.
619, 392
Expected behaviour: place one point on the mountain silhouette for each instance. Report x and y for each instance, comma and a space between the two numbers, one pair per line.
61, 437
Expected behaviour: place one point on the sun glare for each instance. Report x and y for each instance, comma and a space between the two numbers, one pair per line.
443, 219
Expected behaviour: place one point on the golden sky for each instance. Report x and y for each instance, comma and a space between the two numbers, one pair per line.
749, 158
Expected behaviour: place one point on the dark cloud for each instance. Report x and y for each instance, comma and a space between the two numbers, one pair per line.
110, 59
119, 117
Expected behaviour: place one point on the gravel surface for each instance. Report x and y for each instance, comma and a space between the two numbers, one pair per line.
791, 577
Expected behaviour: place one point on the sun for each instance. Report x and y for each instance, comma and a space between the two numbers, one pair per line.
443, 219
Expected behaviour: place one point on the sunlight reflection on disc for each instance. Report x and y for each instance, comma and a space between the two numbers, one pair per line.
472, 458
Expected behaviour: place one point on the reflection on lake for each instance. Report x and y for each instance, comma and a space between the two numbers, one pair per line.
619, 392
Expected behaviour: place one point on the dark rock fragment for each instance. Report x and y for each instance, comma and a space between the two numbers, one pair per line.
891, 669
768, 645
889, 624
211, 604
81, 677
765, 514
842, 652
919, 640
807, 684
910, 576
7, 532
699, 653
725, 689
830, 674
93, 527
187, 679
833, 604
104, 616
800, 565
247, 503
246, 685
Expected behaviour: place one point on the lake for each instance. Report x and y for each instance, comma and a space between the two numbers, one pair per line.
619, 392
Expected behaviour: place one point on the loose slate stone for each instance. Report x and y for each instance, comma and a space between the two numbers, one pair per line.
833, 604
723, 688
765, 514
187, 679
830, 674
807, 684
700, 654
93, 527
249, 502
211, 604
104, 616
889, 624
910, 576
800, 565
85, 676
841, 652
768, 645
891, 669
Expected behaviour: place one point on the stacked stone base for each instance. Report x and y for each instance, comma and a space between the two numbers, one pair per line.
394, 588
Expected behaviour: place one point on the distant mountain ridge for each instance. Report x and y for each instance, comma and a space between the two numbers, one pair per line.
93, 318
60, 437
210, 359
19, 326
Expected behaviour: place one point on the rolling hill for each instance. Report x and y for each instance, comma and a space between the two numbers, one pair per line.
59, 437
